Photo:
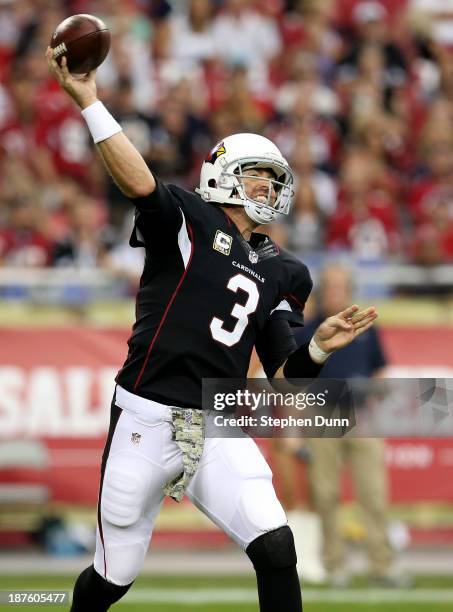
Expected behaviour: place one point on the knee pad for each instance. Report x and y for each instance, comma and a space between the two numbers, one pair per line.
123, 495
273, 550
123, 562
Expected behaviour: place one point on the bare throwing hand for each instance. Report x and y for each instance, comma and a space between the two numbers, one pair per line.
341, 329
81, 88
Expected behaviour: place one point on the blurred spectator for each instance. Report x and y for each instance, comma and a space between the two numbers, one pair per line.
222, 122
302, 70
23, 242
315, 201
46, 131
385, 137
433, 239
303, 123
124, 262
436, 157
309, 27
306, 233
58, 200
366, 91
249, 111
17, 180
182, 75
87, 241
365, 222
372, 33
191, 35
364, 456
248, 38
135, 40
174, 132
439, 13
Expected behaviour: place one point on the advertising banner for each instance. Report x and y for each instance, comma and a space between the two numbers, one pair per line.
56, 386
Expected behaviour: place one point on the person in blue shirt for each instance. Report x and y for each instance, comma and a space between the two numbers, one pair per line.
365, 357
365, 457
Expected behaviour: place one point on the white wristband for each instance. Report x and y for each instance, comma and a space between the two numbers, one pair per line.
100, 122
317, 354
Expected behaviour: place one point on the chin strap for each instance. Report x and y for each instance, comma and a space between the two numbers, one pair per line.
254, 216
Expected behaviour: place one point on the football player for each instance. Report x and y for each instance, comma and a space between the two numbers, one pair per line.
212, 288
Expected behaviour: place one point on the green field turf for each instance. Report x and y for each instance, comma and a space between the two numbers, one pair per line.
185, 594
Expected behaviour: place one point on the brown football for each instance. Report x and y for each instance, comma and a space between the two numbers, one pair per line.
84, 39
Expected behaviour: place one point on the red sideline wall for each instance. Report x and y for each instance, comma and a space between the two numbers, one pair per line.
56, 385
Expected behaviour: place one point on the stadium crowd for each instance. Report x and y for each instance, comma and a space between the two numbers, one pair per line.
357, 94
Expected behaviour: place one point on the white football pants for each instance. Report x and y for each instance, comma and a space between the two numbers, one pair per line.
232, 486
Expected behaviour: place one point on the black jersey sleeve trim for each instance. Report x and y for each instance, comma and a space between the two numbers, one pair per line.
290, 309
295, 294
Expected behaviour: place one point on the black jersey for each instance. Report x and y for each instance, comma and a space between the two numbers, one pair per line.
205, 296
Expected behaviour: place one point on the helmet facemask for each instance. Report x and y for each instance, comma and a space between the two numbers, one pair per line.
275, 199
225, 177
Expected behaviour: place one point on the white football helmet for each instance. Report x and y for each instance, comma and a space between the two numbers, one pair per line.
223, 172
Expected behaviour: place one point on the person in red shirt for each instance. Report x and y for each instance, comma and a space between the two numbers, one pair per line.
44, 130
433, 239
436, 184
22, 242
366, 221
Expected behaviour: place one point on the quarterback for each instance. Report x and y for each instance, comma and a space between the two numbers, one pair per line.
212, 288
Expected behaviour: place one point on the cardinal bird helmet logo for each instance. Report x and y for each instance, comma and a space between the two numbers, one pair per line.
215, 153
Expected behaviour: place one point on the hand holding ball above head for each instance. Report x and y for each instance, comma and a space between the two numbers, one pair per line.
84, 40
78, 46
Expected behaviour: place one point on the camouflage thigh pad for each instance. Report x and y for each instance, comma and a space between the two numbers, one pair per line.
188, 433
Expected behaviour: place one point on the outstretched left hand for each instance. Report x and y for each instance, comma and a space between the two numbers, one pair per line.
341, 329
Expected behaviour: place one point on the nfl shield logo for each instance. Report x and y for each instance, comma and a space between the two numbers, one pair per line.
135, 438
253, 257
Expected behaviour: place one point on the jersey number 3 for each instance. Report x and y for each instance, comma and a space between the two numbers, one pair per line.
240, 311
